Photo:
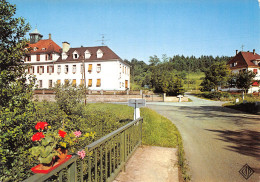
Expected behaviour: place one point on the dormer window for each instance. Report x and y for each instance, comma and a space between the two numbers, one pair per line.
87, 54
64, 56
99, 54
35, 48
43, 49
75, 55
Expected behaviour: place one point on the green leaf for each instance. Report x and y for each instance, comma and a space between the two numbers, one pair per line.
46, 141
46, 160
46, 152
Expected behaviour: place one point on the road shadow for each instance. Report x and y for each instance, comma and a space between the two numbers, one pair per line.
218, 112
245, 142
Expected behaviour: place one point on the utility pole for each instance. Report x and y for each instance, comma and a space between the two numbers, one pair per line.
84, 79
242, 47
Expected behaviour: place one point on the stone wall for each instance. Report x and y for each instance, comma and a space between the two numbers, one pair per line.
105, 98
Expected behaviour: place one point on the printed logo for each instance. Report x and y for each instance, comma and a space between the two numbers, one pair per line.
246, 171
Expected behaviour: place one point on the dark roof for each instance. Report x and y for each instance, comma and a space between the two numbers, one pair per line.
108, 54
244, 60
49, 45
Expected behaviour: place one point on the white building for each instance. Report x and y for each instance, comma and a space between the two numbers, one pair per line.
246, 61
104, 70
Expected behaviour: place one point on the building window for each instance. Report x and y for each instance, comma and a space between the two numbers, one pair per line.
255, 71
38, 57
31, 70
66, 69
89, 67
81, 68
50, 83
48, 57
50, 69
66, 82
120, 75
82, 81
89, 82
59, 69
123, 69
58, 82
74, 83
98, 68
120, 65
40, 69
75, 56
126, 83
40, 84
98, 82
99, 54
74, 69
87, 54
28, 58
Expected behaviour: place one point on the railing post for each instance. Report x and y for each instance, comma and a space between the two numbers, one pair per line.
141, 132
122, 148
72, 176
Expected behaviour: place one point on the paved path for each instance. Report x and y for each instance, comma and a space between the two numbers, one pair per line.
218, 141
151, 164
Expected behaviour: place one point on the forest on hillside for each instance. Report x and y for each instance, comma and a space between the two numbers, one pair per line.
157, 70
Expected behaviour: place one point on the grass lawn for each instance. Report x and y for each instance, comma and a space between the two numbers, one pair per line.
157, 130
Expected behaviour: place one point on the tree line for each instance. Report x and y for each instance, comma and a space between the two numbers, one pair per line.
161, 74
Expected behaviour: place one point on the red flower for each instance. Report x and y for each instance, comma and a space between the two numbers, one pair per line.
41, 125
37, 136
62, 133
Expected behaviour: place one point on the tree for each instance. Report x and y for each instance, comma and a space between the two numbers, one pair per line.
217, 75
68, 97
16, 107
244, 80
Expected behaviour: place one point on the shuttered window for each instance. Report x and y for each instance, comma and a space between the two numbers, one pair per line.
66, 69
74, 69
74, 82
90, 82
59, 69
66, 81
50, 83
58, 82
89, 67
98, 82
81, 81
38, 57
98, 68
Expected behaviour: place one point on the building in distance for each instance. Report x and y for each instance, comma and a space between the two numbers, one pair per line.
97, 67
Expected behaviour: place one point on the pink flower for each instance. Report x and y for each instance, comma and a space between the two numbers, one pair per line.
82, 154
77, 133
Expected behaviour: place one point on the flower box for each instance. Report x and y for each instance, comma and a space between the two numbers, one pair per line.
37, 169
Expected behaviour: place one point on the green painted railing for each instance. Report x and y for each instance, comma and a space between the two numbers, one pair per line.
106, 157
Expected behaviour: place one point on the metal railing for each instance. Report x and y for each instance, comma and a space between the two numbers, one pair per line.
105, 159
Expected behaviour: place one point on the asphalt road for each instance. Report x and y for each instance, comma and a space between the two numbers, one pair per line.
218, 141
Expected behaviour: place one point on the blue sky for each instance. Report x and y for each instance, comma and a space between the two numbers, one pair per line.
142, 28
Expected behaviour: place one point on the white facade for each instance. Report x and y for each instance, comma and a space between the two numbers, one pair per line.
100, 74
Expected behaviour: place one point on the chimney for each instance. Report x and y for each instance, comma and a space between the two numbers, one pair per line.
65, 46
236, 52
254, 51
49, 36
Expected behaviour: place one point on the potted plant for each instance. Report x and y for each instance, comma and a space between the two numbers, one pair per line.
52, 146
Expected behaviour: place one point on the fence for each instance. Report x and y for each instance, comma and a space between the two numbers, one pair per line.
105, 159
